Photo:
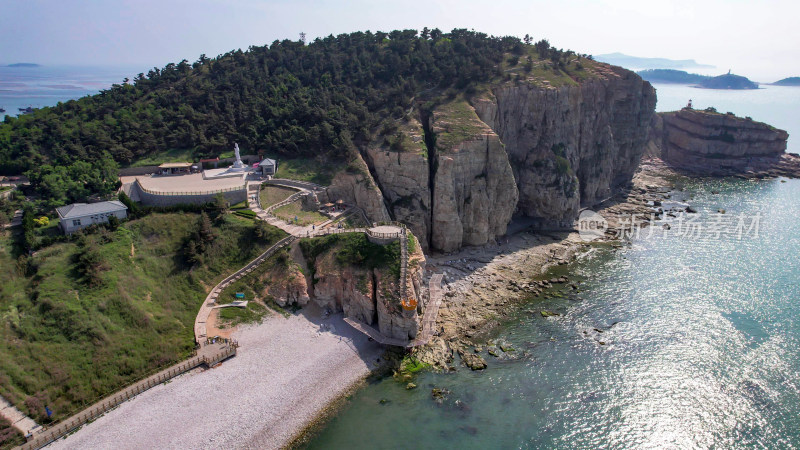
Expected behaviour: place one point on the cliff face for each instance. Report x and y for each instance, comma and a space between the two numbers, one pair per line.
524, 148
356, 186
710, 143
367, 295
571, 146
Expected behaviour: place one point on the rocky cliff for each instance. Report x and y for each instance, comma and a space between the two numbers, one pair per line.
710, 143
457, 168
361, 290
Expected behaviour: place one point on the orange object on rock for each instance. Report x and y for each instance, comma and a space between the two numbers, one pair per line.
409, 304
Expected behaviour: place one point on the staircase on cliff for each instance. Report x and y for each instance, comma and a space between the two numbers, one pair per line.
403, 263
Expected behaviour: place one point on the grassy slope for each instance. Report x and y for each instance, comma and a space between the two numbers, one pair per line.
64, 344
454, 123
313, 170
274, 194
9, 436
292, 210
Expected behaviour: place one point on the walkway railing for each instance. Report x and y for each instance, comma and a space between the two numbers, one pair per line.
214, 191
50, 434
200, 330
295, 184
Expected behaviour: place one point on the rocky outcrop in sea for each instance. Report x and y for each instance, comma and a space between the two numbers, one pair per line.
714, 144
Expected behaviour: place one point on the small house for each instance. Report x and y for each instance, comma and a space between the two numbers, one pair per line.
268, 166
81, 215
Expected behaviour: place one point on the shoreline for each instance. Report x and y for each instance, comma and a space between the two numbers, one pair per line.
479, 280
287, 372
483, 282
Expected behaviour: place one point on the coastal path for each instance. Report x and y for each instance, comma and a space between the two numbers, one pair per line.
385, 232
17, 418
209, 355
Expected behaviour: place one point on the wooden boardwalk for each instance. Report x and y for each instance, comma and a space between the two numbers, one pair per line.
435, 297
209, 355
375, 334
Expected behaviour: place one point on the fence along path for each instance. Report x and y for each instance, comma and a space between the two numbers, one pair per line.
209, 355
435, 295
200, 330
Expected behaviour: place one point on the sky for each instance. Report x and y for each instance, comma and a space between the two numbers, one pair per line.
758, 39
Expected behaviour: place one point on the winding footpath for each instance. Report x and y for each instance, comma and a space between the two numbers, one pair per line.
212, 351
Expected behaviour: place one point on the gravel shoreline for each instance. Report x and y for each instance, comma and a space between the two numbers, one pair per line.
286, 373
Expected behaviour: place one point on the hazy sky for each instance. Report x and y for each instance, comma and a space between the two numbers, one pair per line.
759, 39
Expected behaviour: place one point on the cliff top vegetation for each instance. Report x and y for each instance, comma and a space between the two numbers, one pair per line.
287, 99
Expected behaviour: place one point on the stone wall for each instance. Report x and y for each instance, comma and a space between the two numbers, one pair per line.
149, 199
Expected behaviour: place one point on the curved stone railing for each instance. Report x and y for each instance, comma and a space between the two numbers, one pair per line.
295, 184
211, 192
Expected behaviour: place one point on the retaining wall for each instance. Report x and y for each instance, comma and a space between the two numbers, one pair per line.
164, 199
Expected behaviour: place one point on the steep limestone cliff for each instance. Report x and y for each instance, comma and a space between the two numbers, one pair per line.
572, 145
356, 186
710, 143
401, 170
523, 146
474, 194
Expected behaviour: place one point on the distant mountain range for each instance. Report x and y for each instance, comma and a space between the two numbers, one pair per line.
23, 65
636, 62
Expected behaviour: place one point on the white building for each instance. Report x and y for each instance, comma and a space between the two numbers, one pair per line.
267, 166
80, 215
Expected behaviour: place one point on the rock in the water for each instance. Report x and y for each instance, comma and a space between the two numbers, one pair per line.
506, 347
494, 351
474, 362
410, 386
548, 313
439, 394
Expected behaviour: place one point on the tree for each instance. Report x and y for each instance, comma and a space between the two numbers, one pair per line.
219, 207
113, 222
90, 265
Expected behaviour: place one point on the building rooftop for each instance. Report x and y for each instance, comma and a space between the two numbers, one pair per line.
88, 209
267, 162
178, 165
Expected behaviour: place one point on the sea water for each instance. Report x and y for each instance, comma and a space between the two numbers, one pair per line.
37, 87
679, 341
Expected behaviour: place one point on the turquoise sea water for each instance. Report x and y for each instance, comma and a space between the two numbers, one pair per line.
701, 335
701, 338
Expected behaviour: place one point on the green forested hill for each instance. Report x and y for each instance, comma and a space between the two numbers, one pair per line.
287, 98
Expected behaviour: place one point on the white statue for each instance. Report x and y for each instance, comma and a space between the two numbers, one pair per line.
238, 166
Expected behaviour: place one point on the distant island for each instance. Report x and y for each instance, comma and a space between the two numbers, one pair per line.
23, 65
727, 81
636, 62
791, 81
671, 76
